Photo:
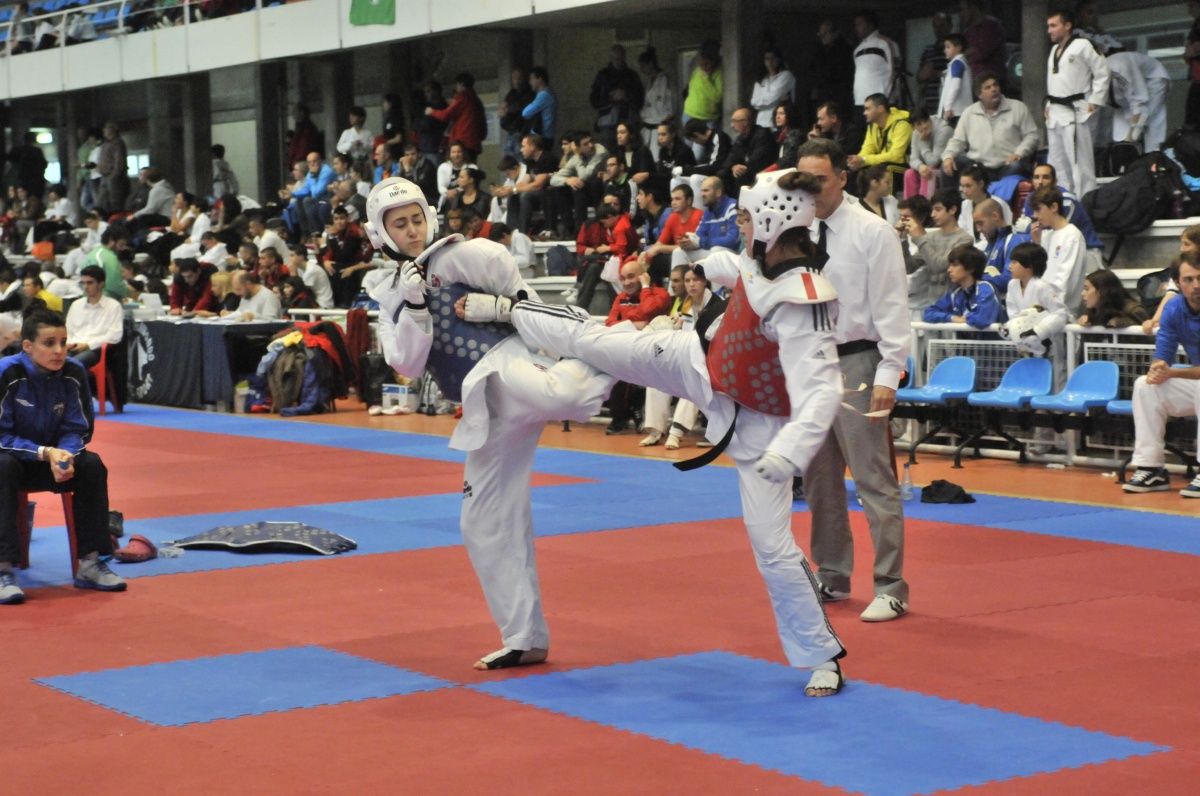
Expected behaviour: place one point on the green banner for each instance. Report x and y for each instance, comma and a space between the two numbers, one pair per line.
372, 12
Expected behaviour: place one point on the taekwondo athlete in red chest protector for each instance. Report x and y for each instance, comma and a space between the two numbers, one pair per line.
508, 394
768, 380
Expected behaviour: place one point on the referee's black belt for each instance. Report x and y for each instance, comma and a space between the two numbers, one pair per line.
856, 347
1068, 101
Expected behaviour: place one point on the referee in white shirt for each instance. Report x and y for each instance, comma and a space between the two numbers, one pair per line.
866, 268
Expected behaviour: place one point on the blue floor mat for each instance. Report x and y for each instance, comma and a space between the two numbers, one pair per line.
245, 684
869, 739
707, 493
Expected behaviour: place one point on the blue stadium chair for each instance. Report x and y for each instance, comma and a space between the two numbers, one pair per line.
6, 14
1024, 380
950, 383
1124, 409
1091, 386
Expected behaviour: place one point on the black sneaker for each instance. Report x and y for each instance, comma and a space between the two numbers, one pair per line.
1149, 479
1192, 490
617, 427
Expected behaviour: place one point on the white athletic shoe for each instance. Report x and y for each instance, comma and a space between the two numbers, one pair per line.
884, 609
651, 439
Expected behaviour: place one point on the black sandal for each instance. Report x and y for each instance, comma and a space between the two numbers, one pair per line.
508, 658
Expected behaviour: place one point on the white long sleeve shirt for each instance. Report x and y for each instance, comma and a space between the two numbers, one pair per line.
769, 92
357, 142
1080, 70
866, 268
1065, 252
95, 324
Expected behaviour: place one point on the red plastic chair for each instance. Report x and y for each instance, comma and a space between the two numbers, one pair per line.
25, 533
105, 388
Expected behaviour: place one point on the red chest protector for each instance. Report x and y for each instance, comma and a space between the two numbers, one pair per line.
744, 364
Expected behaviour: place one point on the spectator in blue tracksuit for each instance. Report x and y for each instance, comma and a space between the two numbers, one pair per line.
999, 241
718, 226
45, 425
971, 301
312, 198
542, 113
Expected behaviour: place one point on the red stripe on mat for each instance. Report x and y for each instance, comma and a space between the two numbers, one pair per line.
163, 472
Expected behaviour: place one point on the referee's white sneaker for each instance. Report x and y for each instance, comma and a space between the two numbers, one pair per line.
884, 609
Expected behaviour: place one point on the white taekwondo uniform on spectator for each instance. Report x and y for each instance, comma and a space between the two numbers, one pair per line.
507, 398
661, 103
1139, 88
867, 270
873, 59
1065, 252
674, 362
1077, 76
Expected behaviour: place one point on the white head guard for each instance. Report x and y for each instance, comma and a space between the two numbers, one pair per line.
395, 192
775, 208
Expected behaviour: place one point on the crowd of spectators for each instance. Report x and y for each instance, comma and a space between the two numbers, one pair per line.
650, 189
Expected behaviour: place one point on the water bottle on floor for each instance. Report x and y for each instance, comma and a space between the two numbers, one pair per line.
906, 484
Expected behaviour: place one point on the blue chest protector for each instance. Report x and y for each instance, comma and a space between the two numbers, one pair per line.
457, 344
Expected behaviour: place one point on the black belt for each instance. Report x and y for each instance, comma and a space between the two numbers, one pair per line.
1068, 101
712, 453
856, 347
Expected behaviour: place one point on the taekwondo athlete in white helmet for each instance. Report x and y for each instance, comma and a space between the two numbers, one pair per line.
508, 394
767, 377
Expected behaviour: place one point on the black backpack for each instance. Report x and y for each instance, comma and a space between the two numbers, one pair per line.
1151, 188
1186, 144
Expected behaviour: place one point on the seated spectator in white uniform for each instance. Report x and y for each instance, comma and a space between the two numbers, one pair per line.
1064, 245
257, 302
94, 320
1166, 391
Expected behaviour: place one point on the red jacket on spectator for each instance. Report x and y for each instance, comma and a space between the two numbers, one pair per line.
644, 306
191, 298
620, 240
350, 247
466, 118
677, 226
